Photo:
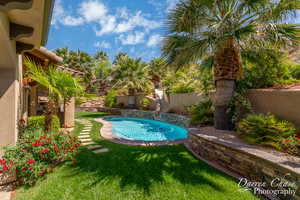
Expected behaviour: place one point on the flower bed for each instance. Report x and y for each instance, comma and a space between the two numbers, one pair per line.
34, 155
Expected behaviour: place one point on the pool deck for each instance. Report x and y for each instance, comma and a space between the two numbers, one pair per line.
106, 133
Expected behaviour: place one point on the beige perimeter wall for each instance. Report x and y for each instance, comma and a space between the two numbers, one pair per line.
179, 102
282, 103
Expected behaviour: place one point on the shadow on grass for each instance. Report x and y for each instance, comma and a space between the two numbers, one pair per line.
91, 115
141, 167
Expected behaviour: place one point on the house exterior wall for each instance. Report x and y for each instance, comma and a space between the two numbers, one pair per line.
9, 97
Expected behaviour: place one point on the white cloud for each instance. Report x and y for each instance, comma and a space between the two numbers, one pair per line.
72, 21
171, 4
58, 12
154, 40
102, 44
123, 12
136, 20
132, 39
93, 10
108, 25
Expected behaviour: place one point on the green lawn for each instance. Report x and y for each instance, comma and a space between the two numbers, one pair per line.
127, 173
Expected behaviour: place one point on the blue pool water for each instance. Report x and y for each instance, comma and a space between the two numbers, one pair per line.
146, 130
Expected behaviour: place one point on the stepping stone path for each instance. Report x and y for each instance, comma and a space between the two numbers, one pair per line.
86, 140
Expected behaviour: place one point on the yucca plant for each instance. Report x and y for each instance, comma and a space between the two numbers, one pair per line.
217, 31
60, 85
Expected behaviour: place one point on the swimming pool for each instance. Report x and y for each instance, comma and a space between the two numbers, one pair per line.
146, 130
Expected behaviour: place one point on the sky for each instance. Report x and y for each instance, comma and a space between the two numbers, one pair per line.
135, 27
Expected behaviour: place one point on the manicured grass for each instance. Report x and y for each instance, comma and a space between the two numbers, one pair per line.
134, 173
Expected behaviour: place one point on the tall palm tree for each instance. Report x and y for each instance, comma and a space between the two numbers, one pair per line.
220, 30
118, 57
157, 71
133, 75
101, 56
61, 86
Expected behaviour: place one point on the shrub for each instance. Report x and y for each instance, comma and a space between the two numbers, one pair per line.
145, 103
37, 122
78, 101
35, 153
202, 113
295, 70
268, 130
111, 98
181, 88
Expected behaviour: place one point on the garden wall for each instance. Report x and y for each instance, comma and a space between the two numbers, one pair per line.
225, 151
179, 102
284, 103
124, 100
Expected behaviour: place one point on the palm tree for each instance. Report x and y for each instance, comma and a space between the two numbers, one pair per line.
118, 57
61, 86
101, 56
220, 30
131, 74
157, 71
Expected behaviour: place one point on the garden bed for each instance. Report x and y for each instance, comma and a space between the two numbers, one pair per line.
230, 154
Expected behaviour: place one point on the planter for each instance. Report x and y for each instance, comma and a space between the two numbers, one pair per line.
8, 177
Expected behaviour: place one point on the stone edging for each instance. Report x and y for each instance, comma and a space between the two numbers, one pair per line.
106, 133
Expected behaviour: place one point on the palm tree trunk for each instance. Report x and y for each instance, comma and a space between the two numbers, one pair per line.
223, 95
131, 98
227, 69
48, 115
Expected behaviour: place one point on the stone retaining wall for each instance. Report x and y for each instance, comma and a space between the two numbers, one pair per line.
257, 164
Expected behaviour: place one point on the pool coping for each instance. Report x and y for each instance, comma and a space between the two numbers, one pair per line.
106, 133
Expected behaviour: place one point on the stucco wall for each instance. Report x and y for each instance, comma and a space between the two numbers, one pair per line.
179, 102
8, 106
283, 103
124, 100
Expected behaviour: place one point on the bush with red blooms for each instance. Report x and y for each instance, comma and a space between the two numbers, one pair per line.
291, 145
34, 154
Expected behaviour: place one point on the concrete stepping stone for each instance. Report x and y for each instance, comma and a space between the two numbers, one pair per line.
83, 136
94, 146
86, 140
85, 130
88, 143
100, 151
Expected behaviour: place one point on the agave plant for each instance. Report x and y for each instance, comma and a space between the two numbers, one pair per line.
217, 31
61, 86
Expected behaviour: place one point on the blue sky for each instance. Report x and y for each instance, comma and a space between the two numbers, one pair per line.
132, 26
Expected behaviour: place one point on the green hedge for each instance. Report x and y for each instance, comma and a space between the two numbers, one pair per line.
37, 122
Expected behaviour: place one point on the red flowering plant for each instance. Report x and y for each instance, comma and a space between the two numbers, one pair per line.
291, 145
34, 153
5, 166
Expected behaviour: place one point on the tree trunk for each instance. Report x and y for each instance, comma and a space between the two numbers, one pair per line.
223, 95
131, 98
227, 69
48, 116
